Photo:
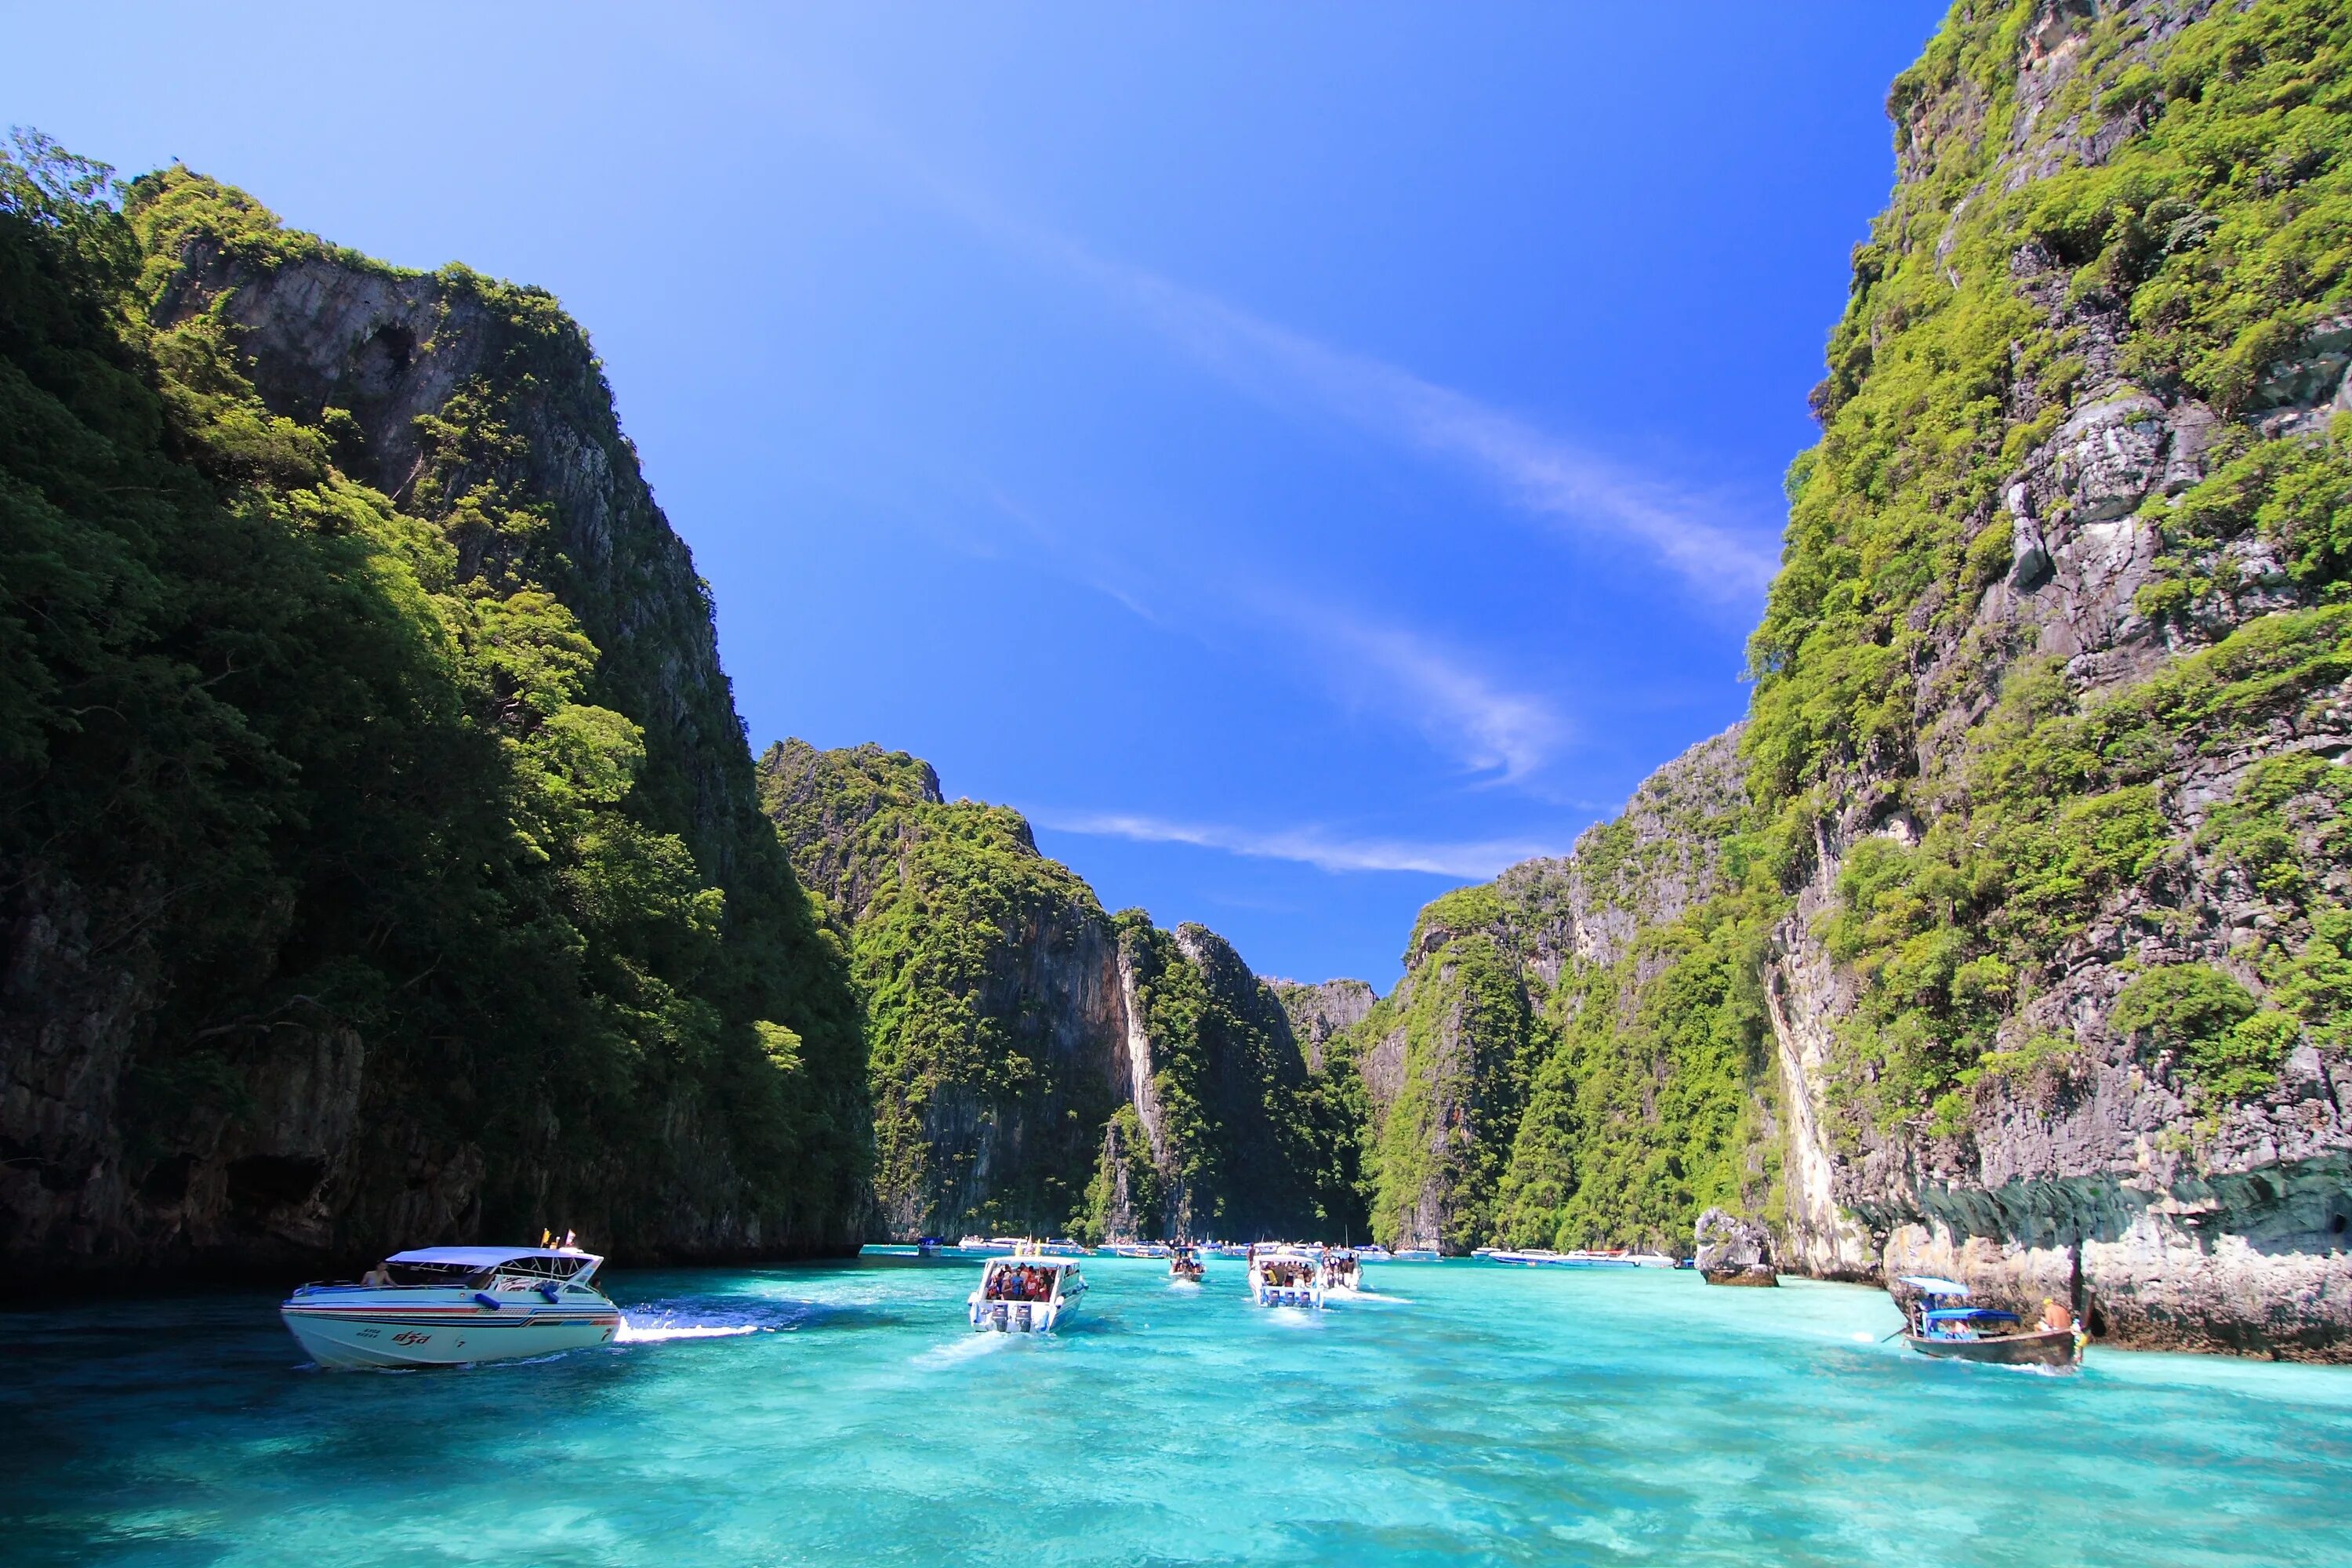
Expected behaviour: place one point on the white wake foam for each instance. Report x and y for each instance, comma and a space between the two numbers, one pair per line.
655, 1334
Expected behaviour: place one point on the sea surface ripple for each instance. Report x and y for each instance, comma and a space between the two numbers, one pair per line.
1471, 1414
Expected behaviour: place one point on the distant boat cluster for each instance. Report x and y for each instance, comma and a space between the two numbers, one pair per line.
1038, 1285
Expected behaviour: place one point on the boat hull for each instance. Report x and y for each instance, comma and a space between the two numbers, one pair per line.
1020, 1316
451, 1333
2045, 1347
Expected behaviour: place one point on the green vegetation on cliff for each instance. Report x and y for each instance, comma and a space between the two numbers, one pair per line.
983, 967
1578, 1054
1006, 1012
289, 760
2182, 256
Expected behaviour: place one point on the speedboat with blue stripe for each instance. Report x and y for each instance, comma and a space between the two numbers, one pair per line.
450, 1306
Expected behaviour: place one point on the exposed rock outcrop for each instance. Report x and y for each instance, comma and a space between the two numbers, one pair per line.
1321, 1010
1732, 1250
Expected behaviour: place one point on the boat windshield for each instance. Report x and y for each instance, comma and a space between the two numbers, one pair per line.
451, 1274
474, 1268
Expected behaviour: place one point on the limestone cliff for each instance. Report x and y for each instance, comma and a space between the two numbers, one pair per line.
2051, 703
1567, 1059
1038, 1064
382, 861
1319, 1012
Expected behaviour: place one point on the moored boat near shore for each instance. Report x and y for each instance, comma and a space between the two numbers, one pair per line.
452, 1306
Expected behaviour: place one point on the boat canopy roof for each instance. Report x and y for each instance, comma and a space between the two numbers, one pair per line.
1034, 1260
492, 1256
1928, 1284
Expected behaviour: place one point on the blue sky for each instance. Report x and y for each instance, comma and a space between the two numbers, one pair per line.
1306, 457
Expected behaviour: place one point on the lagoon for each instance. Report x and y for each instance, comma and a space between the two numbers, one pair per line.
842, 1413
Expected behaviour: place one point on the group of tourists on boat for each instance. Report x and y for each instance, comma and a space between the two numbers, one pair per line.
1021, 1282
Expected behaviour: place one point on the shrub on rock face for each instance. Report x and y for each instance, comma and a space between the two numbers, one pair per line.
2222, 1040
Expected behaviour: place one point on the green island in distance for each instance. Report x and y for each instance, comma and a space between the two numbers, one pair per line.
385, 866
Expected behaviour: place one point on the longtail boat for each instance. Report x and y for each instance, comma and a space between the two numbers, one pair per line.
1935, 1327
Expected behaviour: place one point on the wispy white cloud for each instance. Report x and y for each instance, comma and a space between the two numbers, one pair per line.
1580, 491
1485, 725
1309, 846
1482, 723
1576, 490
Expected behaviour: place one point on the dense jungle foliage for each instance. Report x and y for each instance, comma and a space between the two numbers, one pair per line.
2204, 259
282, 755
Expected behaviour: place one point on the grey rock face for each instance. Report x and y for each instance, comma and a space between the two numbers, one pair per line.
1733, 1251
2109, 454
2029, 561
1319, 1012
1647, 866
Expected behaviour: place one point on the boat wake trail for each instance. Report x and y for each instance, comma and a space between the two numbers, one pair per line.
630, 1333
968, 1349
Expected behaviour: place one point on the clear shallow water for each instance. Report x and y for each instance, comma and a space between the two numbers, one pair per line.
1480, 1415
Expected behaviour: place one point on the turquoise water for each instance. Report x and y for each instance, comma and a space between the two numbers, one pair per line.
1477, 1414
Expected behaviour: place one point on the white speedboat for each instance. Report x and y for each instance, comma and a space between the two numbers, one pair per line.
1544, 1257
1414, 1255
1030, 1293
1137, 1249
1343, 1272
449, 1306
1375, 1253
1286, 1276
1002, 1246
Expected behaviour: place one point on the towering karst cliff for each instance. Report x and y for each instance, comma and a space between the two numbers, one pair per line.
2051, 704
380, 855
1039, 1065
1576, 1053
2021, 956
